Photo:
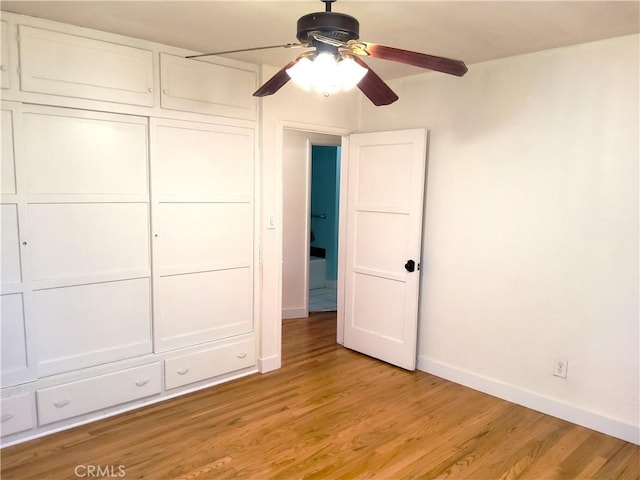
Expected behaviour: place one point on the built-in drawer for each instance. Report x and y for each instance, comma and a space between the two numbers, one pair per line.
16, 414
209, 363
91, 394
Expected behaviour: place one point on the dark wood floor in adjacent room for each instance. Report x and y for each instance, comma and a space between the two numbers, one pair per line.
330, 413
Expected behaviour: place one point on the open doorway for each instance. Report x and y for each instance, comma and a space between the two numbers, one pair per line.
297, 213
323, 251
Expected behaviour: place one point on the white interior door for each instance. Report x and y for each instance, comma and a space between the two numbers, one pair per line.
385, 191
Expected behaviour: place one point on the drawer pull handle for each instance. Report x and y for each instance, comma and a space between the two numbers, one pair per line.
7, 416
62, 403
241, 355
183, 371
142, 383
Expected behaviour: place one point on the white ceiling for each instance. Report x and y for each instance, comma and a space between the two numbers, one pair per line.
472, 31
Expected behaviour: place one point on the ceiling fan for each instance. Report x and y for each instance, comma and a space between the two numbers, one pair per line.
338, 50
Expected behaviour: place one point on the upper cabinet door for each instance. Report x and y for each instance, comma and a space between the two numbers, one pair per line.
72, 66
5, 76
196, 86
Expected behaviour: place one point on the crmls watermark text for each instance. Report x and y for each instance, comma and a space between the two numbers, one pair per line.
99, 471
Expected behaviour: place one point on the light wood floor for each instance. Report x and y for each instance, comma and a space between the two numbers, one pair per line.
329, 413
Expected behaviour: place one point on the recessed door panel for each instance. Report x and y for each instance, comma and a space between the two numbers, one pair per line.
92, 324
203, 235
199, 307
382, 178
76, 152
389, 252
75, 240
204, 161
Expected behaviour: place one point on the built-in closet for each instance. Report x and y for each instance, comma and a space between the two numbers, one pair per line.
128, 224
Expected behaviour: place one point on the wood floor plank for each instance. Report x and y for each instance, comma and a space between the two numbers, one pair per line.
330, 413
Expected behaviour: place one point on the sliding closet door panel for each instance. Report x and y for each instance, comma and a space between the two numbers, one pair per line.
98, 240
76, 152
199, 161
18, 360
92, 324
202, 181
200, 307
85, 177
209, 235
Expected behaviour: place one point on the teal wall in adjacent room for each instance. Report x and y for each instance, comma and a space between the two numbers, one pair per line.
325, 190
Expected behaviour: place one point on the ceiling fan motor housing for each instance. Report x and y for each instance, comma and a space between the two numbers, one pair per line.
337, 26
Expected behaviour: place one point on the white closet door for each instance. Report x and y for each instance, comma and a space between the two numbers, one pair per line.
88, 223
203, 218
17, 359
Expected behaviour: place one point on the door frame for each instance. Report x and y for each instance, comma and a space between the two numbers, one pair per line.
311, 130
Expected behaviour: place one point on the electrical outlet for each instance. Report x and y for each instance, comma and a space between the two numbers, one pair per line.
560, 368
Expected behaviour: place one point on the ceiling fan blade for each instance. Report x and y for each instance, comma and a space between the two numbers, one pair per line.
276, 82
422, 60
374, 87
286, 45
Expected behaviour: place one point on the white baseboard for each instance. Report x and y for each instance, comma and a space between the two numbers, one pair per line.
288, 313
269, 364
610, 426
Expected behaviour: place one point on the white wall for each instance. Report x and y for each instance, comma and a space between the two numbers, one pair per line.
292, 108
531, 228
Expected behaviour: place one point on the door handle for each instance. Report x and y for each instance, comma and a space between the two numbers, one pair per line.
410, 266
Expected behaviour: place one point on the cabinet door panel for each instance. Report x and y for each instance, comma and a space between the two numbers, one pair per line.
10, 261
8, 170
92, 324
199, 160
61, 64
80, 152
203, 236
72, 240
14, 342
199, 307
197, 86
5, 73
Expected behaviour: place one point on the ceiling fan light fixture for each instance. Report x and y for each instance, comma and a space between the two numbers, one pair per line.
326, 74
302, 73
350, 73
